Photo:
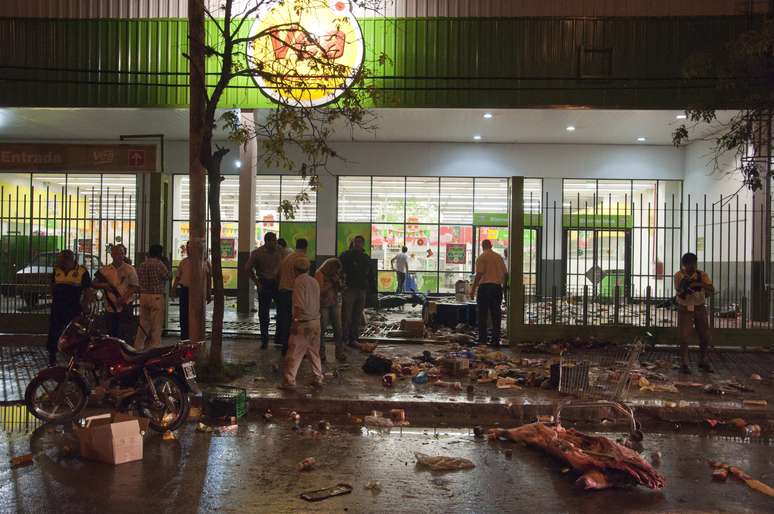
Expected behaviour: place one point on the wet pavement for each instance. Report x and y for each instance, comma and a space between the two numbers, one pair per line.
256, 471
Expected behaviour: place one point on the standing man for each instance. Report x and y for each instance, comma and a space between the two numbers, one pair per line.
331, 280
119, 282
68, 283
357, 270
180, 286
305, 329
153, 275
287, 277
491, 274
692, 287
263, 267
400, 265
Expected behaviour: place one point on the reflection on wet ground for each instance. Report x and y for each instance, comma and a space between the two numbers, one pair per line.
256, 471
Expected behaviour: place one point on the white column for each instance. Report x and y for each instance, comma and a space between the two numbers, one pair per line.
246, 243
551, 256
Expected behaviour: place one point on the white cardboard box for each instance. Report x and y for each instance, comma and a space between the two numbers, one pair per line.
112, 438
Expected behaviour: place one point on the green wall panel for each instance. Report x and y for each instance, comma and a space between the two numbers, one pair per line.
435, 62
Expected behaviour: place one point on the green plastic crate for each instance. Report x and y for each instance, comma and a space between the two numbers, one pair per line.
224, 401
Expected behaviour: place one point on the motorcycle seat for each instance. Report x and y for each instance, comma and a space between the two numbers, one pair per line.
133, 355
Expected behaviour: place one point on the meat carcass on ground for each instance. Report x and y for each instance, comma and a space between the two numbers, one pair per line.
602, 463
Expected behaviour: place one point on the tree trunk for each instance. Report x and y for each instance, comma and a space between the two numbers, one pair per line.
198, 207
216, 344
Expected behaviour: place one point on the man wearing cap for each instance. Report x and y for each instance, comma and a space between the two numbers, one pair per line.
305, 327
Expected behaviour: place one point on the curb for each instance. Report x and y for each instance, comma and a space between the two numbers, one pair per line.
465, 413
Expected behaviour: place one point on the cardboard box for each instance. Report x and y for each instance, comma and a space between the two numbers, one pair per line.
414, 327
114, 438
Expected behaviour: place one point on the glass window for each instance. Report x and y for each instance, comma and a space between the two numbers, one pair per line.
386, 242
388, 200
229, 198
292, 187
354, 199
580, 195
422, 200
267, 198
533, 195
491, 195
456, 201
422, 244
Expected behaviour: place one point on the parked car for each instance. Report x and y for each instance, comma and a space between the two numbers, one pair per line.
33, 281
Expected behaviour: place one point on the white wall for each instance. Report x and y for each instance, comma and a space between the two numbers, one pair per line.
505, 160
702, 177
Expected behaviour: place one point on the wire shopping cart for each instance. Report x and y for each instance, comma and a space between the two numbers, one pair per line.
600, 378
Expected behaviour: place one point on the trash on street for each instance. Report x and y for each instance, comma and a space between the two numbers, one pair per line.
443, 463
602, 462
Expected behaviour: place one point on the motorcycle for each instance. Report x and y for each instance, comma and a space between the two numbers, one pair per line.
153, 384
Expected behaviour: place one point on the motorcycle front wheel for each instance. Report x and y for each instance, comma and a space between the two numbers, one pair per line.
56, 395
171, 410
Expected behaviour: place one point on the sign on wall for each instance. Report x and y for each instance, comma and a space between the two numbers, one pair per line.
456, 253
305, 52
76, 157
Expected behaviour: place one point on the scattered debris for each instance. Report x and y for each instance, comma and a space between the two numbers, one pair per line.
201, 427
328, 492
378, 423
195, 413
756, 377
307, 464
455, 386
603, 462
655, 459
478, 432
443, 463
268, 416
21, 461
323, 425
721, 471
389, 379
374, 486
168, 436
755, 403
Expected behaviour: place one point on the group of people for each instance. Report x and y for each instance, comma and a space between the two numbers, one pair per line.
72, 289
307, 306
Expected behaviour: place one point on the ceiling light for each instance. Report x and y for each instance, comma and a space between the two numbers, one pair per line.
570, 128
681, 116
641, 139
477, 137
238, 164
488, 115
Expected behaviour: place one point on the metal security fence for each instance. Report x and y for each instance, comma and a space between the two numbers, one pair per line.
42, 214
607, 262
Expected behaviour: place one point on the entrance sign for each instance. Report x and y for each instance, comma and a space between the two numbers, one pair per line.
305, 53
75, 157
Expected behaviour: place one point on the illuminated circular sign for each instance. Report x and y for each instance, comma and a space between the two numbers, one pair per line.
305, 53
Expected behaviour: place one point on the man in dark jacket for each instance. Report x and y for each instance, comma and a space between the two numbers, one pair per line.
356, 264
68, 283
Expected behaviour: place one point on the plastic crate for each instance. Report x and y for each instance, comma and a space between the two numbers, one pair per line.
224, 401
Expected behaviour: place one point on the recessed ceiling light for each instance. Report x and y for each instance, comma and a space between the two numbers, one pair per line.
238, 164
681, 116
641, 139
488, 115
570, 128
477, 137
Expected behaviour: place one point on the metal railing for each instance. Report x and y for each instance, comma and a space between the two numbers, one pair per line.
613, 263
35, 224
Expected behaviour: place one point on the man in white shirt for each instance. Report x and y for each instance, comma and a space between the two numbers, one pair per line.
400, 266
119, 283
305, 329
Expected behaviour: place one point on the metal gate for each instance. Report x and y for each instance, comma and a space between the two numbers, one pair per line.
44, 213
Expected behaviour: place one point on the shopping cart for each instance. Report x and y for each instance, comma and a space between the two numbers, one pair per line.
600, 378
